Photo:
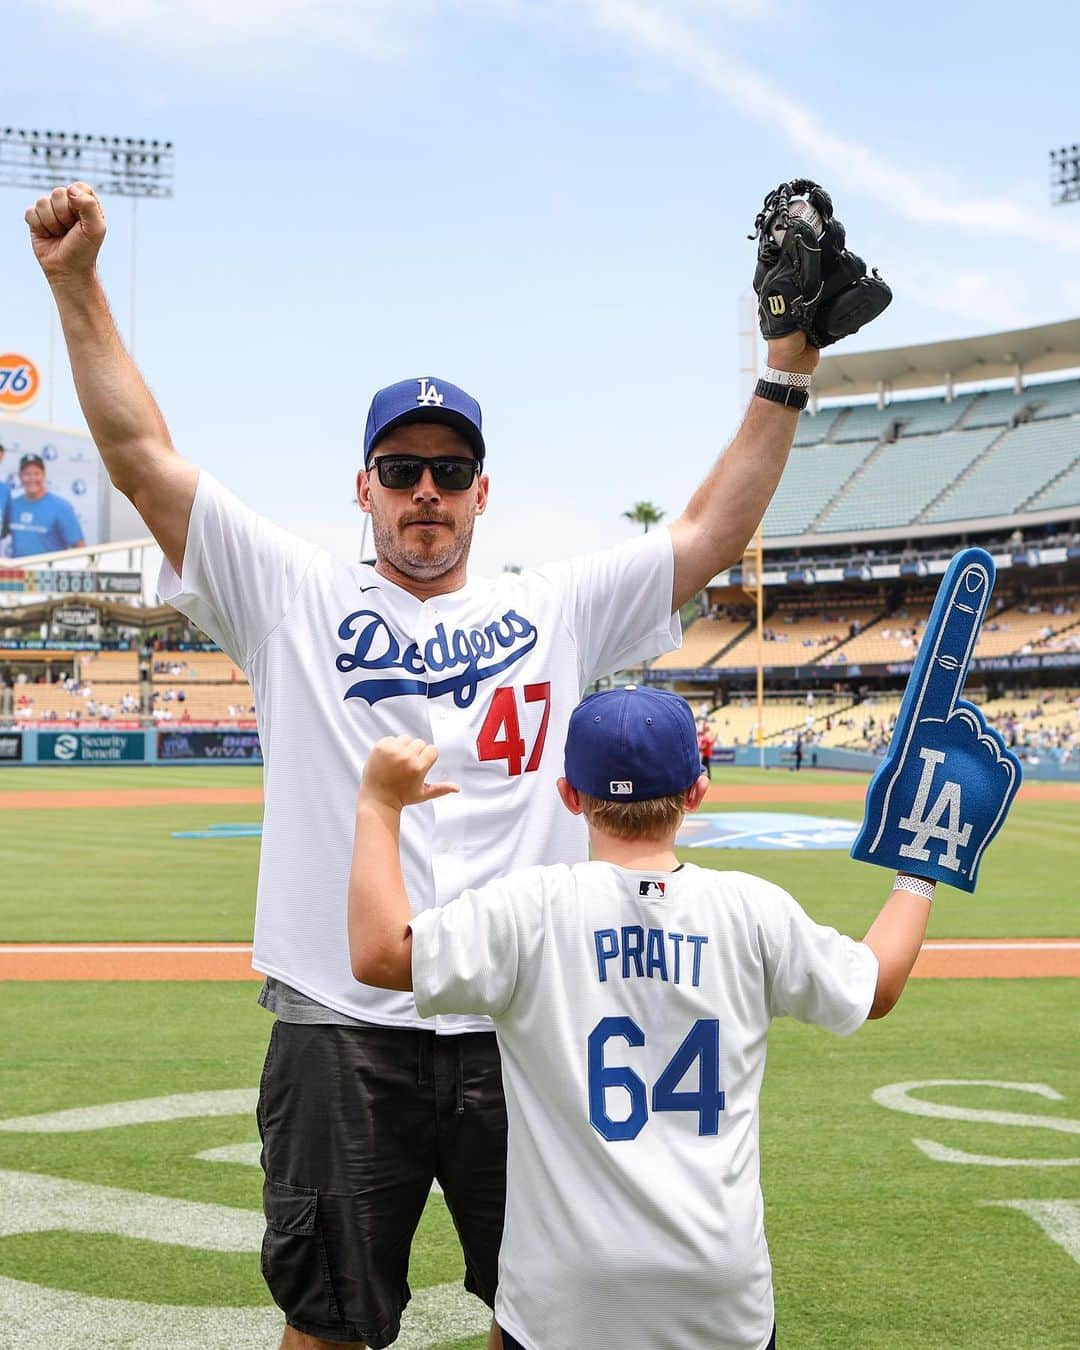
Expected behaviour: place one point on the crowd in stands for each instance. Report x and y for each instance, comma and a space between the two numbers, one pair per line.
1040, 725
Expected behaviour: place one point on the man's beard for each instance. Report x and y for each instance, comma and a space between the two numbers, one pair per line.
418, 563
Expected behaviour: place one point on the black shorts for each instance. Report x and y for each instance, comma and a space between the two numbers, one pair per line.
355, 1124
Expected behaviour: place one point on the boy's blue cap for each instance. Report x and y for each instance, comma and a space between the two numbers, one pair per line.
632, 744
425, 399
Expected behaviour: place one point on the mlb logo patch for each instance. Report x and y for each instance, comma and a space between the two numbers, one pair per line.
652, 890
620, 787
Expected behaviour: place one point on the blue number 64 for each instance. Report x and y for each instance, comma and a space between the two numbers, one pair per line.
701, 1045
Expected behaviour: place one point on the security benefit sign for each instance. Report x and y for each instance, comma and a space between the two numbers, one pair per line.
91, 747
947, 781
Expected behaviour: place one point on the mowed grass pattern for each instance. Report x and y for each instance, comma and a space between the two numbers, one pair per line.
96, 874
873, 1242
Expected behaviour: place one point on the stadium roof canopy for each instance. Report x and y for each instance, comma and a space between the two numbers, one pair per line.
1013, 355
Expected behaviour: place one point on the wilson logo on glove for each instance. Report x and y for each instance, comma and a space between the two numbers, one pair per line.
806, 278
947, 781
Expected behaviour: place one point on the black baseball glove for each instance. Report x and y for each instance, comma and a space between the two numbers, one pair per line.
805, 277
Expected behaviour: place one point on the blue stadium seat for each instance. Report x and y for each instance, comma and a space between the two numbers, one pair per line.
811, 480
813, 428
862, 422
998, 407
904, 477
921, 416
1015, 469
1059, 399
1065, 492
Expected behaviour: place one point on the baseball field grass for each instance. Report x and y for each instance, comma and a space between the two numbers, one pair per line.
921, 1178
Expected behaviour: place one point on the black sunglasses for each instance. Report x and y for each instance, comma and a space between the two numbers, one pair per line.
405, 471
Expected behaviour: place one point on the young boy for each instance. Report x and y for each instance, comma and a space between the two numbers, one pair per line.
631, 995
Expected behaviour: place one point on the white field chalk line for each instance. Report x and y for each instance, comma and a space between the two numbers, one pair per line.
1043, 945
120, 948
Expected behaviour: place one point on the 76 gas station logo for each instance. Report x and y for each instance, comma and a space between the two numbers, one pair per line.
20, 382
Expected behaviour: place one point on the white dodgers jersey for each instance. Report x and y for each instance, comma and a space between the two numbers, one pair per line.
632, 1011
338, 657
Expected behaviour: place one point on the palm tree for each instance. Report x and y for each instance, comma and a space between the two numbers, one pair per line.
644, 514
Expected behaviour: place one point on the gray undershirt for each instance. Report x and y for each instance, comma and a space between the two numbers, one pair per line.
289, 1005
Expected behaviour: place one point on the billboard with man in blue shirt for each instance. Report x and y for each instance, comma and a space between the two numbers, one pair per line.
39, 521
5, 493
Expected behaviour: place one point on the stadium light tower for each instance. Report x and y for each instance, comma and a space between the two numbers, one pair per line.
117, 166
1065, 175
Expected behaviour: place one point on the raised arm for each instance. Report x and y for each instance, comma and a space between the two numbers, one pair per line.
67, 229
380, 942
720, 520
812, 291
895, 937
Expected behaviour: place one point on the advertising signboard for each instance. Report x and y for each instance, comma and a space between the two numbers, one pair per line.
11, 748
209, 744
91, 747
51, 488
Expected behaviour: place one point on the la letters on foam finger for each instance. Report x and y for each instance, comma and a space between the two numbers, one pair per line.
947, 781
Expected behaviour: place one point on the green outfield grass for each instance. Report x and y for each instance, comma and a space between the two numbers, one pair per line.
98, 875
873, 1242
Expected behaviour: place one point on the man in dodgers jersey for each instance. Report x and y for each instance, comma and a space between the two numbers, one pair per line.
632, 997
364, 1100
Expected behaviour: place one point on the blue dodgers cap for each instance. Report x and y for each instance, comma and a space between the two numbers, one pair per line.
426, 399
632, 744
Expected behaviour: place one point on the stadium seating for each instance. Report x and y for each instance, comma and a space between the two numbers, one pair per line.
998, 408
109, 667
990, 453
903, 479
1064, 491
813, 428
1012, 471
173, 667
862, 422
52, 702
1058, 399
891, 638
703, 640
926, 416
800, 636
1019, 629
736, 724
207, 702
811, 480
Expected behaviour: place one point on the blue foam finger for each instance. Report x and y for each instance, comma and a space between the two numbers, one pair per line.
947, 780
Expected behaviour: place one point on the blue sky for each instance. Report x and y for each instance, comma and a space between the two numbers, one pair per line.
543, 200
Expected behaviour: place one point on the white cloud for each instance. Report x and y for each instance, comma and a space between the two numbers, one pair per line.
674, 35
840, 159
985, 298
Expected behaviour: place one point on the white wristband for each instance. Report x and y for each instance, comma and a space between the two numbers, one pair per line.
915, 885
786, 377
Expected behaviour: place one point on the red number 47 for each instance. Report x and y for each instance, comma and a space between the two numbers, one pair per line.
500, 736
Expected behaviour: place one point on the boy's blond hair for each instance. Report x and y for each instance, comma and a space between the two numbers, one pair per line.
654, 819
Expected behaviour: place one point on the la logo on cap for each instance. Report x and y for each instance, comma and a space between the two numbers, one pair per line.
429, 394
621, 787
